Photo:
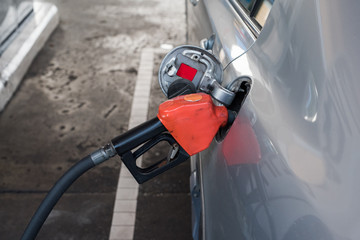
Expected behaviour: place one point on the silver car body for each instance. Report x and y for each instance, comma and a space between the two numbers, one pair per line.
289, 166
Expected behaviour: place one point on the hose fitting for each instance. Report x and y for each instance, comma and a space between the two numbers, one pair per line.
103, 154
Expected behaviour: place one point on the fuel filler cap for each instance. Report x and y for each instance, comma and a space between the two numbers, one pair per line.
189, 69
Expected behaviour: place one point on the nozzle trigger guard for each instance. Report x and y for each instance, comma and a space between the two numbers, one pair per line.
144, 174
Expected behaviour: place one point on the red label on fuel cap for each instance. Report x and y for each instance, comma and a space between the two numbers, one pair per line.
186, 72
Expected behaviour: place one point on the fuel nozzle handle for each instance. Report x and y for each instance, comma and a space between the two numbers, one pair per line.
188, 123
137, 141
137, 136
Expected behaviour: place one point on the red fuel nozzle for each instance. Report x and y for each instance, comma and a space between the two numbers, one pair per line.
193, 120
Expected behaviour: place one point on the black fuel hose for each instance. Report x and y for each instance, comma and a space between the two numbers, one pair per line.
120, 145
54, 195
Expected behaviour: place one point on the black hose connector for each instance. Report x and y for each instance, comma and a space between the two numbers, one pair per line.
54, 195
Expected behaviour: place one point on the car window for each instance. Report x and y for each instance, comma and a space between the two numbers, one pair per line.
247, 4
262, 11
257, 10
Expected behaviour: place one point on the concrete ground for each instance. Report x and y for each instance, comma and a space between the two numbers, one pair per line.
76, 97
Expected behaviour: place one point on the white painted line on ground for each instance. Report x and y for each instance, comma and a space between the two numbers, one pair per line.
123, 221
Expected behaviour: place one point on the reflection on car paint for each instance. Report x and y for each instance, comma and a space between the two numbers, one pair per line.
240, 145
